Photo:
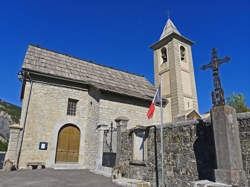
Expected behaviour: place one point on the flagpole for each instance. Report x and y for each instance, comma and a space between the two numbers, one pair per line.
162, 151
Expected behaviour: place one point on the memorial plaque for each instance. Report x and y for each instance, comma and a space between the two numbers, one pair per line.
43, 146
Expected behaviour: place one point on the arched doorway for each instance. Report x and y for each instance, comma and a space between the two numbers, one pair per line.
68, 144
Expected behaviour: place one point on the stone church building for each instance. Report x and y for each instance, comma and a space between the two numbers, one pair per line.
65, 98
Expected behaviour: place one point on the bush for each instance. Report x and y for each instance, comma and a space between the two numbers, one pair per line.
3, 146
238, 102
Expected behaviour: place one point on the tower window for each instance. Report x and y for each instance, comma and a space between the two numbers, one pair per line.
164, 55
71, 110
182, 53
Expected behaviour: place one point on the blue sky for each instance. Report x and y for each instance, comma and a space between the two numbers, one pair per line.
119, 33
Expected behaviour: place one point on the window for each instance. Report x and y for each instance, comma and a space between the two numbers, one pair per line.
164, 55
72, 107
182, 53
139, 148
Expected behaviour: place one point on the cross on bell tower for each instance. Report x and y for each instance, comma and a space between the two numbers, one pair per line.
218, 93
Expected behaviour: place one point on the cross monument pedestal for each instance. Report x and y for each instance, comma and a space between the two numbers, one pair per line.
227, 144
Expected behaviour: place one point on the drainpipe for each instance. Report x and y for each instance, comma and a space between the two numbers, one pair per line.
25, 118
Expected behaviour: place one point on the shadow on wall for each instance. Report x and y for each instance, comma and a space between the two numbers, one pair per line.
204, 149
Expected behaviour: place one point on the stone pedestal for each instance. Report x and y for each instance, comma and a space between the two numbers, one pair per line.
12, 152
100, 131
227, 144
121, 125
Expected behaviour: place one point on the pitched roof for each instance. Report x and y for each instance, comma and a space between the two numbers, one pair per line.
169, 29
48, 62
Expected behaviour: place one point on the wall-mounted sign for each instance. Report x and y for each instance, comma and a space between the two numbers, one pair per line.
43, 146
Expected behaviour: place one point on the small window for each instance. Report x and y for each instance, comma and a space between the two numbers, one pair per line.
164, 55
72, 107
139, 148
182, 51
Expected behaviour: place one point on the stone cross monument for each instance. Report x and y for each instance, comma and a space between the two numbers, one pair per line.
218, 93
226, 133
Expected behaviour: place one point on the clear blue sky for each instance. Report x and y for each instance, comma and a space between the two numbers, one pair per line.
118, 34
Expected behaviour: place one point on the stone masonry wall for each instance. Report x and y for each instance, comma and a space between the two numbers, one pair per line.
182, 142
47, 111
244, 127
113, 106
189, 152
91, 139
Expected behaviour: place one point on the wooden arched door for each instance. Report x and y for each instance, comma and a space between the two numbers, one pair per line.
68, 144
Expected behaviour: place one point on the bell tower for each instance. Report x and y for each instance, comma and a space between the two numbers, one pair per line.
173, 61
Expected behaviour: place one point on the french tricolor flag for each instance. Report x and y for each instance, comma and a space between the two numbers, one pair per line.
157, 99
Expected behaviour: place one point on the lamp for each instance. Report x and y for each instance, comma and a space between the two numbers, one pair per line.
20, 75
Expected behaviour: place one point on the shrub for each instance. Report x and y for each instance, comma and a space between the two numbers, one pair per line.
3, 146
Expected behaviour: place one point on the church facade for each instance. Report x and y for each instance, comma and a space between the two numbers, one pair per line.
64, 99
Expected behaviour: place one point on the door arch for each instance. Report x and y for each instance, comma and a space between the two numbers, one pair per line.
68, 143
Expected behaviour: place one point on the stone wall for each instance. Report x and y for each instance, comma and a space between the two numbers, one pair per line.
179, 155
91, 139
12, 152
244, 127
189, 152
47, 113
113, 106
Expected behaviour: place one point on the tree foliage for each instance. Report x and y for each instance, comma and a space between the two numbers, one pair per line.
3, 146
238, 102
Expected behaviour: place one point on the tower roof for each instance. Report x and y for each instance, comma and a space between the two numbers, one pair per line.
170, 32
169, 29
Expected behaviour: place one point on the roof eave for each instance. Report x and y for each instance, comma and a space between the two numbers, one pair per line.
168, 38
85, 83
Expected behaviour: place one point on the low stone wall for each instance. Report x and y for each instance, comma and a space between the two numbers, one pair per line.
244, 127
189, 152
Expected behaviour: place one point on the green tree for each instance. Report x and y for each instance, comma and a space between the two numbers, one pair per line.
238, 102
3, 146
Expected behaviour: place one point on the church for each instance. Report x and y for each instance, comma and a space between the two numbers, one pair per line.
65, 98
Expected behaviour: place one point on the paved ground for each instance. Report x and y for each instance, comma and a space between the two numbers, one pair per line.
53, 178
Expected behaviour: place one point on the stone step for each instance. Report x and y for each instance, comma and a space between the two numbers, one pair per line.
126, 182
105, 171
206, 183
67, 166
